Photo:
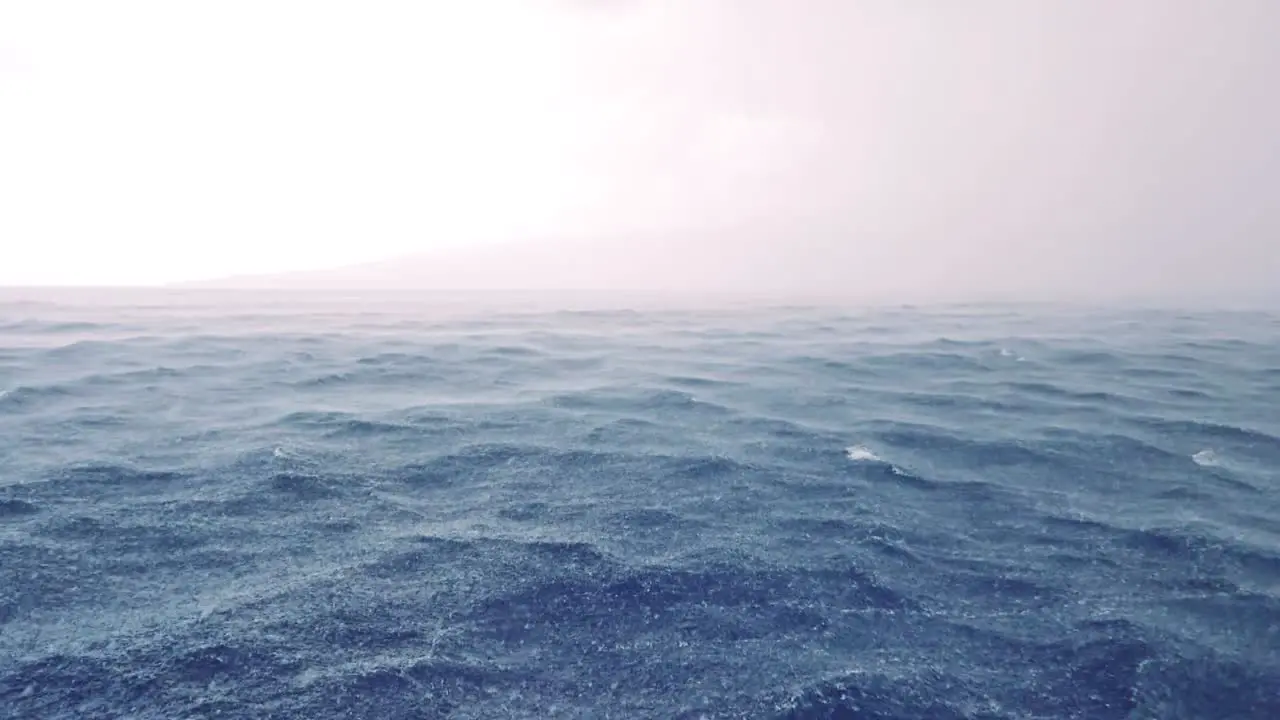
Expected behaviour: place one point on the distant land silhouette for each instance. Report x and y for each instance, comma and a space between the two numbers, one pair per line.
755, 260
799, 261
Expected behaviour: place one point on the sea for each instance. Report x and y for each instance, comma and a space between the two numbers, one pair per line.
219, 504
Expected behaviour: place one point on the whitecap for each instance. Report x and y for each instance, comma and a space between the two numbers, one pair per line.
1207, 458
861, 453
308, 677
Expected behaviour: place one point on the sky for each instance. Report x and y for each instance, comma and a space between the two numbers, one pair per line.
1053, 146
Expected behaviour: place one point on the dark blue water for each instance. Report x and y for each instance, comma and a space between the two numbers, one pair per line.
281, 507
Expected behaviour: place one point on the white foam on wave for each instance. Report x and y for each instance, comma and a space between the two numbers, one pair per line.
1207, 458
861, 453
1006, 352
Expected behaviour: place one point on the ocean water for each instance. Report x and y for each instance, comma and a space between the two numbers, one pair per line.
295, 506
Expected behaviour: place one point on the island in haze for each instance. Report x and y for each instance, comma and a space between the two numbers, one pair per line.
798, 261
757, 259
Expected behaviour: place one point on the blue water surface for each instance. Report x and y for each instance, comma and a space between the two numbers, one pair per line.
222, 505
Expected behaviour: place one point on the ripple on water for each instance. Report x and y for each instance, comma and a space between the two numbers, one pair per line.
337, 510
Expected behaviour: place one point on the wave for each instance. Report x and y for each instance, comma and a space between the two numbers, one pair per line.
970, 453
638, 400
784, 513
1225, 433
25, 397
55, 328
860, 452
1091, 397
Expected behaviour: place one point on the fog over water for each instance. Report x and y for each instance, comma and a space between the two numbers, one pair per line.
908, 149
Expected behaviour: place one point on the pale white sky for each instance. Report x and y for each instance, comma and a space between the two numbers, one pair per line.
150, 141
1083, 143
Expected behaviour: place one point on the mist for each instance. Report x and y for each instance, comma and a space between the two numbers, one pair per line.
914, 150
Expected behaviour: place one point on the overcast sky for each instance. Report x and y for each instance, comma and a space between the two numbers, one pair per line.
1009, 144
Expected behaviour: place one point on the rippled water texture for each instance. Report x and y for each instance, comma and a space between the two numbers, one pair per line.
280, 507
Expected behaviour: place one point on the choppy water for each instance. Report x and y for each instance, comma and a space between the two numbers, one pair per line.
277, 507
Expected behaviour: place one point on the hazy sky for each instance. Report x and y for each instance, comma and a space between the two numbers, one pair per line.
980, 143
